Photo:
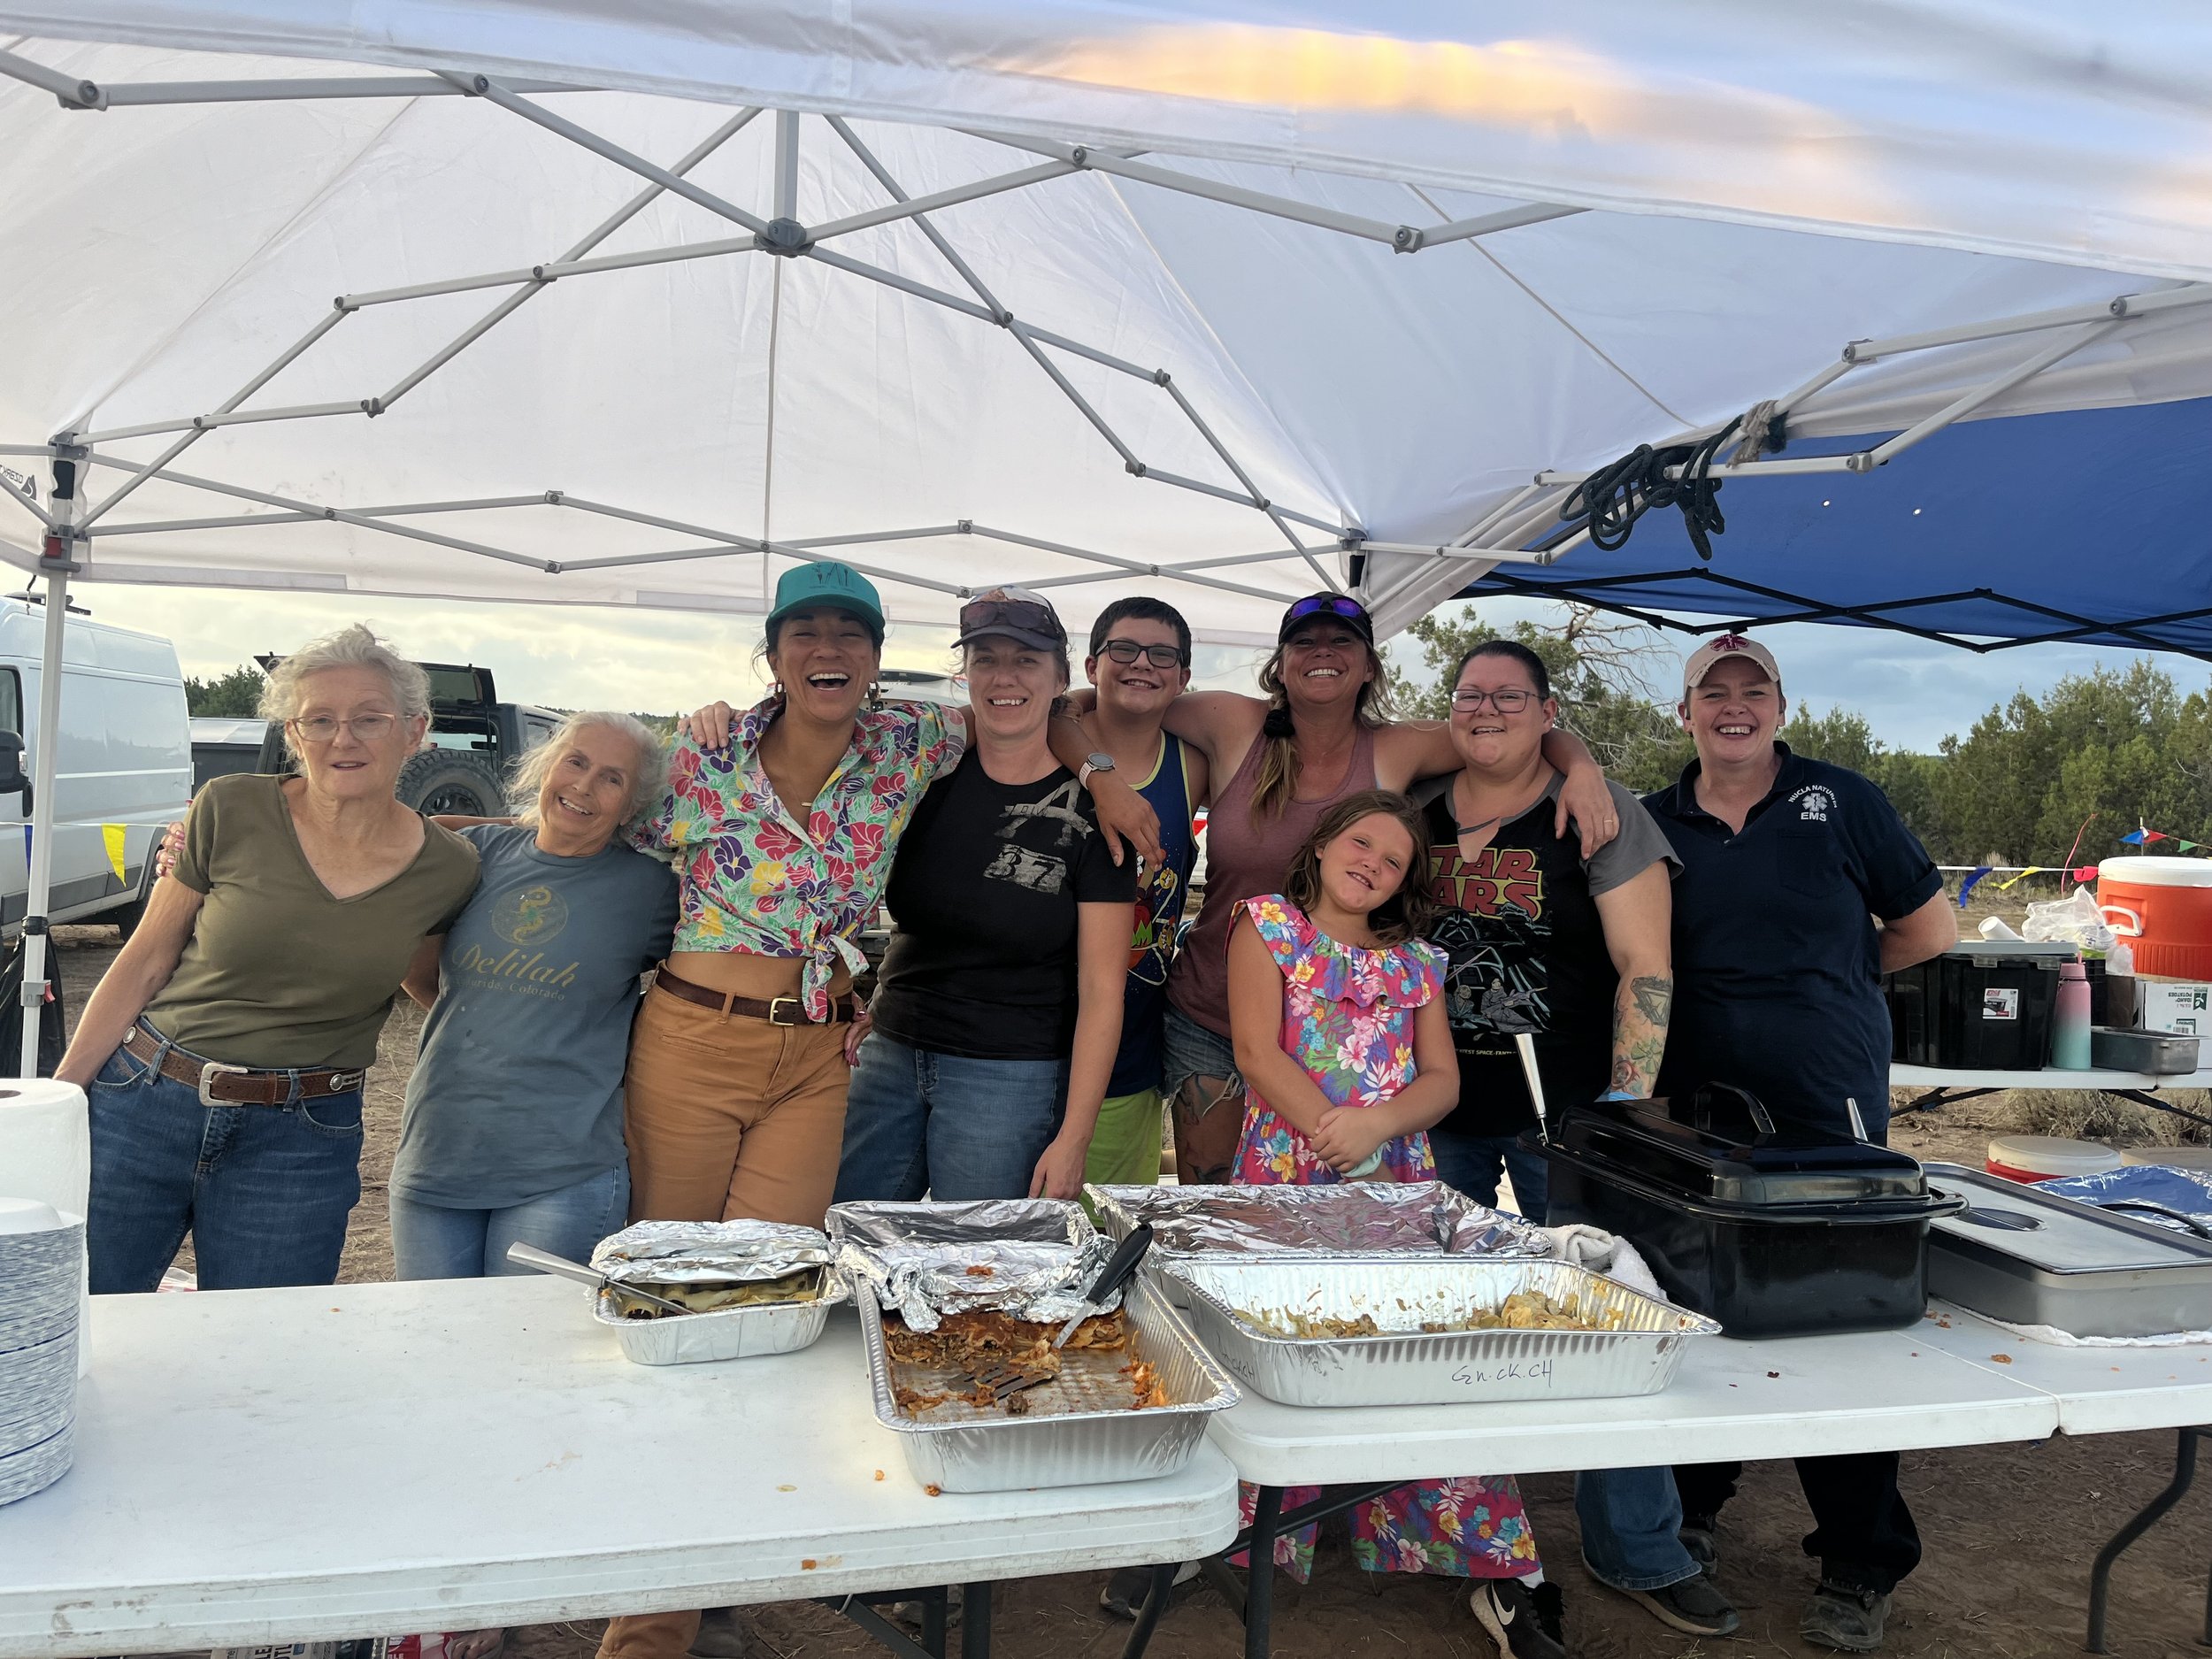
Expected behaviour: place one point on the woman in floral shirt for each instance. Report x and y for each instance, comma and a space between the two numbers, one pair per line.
1336, 1014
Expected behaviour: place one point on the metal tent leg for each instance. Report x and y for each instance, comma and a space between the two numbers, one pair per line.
2149, 1516
56, 567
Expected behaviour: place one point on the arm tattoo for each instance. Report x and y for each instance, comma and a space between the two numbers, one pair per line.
1653, 995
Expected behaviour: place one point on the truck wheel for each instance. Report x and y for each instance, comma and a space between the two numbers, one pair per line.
444, 780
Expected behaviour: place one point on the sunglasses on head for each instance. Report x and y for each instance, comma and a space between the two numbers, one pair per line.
1129, 650
1025, 614
1329, 605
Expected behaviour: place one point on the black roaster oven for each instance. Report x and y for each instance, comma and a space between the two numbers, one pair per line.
1774, 1230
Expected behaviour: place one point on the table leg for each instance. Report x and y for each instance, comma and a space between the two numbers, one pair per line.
2149, 1516
882, 1630
1259, 1577
975, 1621
2144, 1097
1161, 1585
933, 1608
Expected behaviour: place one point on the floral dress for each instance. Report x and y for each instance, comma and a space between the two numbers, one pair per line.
1348, 1020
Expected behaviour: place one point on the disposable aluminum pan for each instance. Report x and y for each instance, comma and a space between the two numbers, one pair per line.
768, 1327
1413, 1367
1350, 1221
958, 1448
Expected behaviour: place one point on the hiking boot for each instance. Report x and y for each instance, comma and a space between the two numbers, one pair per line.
720, 1635
1847, 1619
1124, 1593
1692, 1605
1699, 1536
1525, 1623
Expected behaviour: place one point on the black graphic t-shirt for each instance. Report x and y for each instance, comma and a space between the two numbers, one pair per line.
983, 895
1520, 923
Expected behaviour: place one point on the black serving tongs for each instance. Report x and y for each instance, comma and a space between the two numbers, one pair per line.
1013, 1376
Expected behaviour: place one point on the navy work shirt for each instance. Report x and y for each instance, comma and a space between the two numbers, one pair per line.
1777, 960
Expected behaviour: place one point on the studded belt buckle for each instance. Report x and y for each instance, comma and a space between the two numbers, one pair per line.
209, 1072
777, 1016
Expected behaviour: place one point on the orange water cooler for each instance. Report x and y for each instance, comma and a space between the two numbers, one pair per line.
2163, 907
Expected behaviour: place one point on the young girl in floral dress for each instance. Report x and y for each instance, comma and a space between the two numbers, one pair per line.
1337, 1014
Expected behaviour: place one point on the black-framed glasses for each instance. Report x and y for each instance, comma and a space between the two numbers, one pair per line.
1328, 605
1511, 700
979, 615
1158, 655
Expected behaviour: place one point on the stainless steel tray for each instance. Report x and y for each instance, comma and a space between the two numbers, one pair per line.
768, 1327
2020, 1253
959, 1448
1350, 1221
1411, 1367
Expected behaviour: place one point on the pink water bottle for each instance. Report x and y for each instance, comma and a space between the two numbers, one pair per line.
2070, 1041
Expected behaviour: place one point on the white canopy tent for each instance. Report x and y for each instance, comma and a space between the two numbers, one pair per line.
571, 302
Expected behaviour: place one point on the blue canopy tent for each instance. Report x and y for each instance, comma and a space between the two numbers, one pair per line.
2086, 526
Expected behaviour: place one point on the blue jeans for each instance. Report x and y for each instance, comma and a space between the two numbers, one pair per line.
918, 1122
265, 1191
433, 1242
1631, 1519
1471, 1163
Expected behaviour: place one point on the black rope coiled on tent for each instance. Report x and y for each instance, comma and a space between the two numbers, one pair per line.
1615, 497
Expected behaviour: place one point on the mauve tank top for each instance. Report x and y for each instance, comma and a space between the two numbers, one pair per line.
1242, 861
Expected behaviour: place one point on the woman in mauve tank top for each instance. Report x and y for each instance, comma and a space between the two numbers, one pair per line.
1321, 733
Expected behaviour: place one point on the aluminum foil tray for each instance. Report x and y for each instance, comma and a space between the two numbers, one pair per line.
1346, 1221
1029, 1220
1415, 1367
768, 1327
1084, 1436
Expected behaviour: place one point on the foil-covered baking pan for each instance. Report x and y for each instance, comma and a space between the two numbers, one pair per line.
747, 1333
1409, 1367
1346, 1221
1032, 1258
1031, 1220
1071, 1435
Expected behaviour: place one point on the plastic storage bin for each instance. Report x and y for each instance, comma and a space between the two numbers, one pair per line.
1984, 1005
1771, 1231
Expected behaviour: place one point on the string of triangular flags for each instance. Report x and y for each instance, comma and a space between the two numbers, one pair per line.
2141, 836
111, 838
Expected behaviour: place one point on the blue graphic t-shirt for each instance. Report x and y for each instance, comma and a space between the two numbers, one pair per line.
1161, 893
517, 1091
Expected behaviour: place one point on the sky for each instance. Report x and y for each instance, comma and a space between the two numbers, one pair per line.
1912, 692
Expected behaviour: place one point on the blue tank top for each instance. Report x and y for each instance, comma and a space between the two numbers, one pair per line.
1160, 895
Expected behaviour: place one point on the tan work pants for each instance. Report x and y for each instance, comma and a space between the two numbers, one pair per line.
725, 1117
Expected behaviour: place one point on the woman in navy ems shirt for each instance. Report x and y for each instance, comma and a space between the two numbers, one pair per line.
1800, 887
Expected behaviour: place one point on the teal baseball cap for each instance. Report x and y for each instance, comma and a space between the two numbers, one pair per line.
827, 584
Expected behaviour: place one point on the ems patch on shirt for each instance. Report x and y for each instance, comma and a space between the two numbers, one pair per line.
1814, 802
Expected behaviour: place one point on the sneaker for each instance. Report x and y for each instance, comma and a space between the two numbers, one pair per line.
1692, 1605
1124, 1593
1846, 1619
1525, 1623
1699, 1536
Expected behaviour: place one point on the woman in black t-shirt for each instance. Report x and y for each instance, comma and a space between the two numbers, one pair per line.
998, 1007
1569, 950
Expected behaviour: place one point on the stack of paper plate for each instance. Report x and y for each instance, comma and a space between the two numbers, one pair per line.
41, 1261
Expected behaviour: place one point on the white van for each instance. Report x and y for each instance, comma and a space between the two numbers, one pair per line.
126, 759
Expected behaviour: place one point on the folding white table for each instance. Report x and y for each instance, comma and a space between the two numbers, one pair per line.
277, 1465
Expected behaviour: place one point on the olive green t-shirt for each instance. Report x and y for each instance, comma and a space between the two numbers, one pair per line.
278, 972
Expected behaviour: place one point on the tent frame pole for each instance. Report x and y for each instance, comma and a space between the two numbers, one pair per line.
56, 567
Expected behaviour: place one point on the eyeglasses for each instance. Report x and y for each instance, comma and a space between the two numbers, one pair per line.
1511, 700
1158, 655
1329, 604
323, 728
1024, 614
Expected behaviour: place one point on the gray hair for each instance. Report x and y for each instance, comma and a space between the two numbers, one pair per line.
530, 772
352, 647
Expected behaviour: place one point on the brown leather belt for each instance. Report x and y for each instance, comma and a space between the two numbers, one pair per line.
222, 1085
782, 1010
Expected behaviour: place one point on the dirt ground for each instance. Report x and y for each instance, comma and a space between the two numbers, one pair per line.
2009, 1530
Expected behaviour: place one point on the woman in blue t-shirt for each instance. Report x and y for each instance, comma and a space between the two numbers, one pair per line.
513, 1131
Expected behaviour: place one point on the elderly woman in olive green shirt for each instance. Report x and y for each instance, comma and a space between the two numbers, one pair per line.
225, 1051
